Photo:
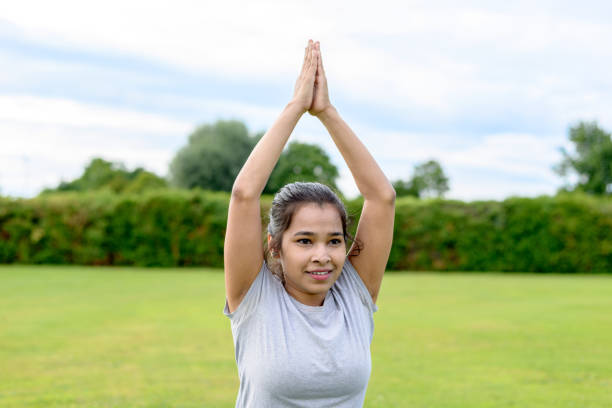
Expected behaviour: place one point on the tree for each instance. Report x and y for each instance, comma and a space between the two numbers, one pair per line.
405, 188
428, 179
302, 162
592, 161
143, 182
100, 174
97, 174
213, 156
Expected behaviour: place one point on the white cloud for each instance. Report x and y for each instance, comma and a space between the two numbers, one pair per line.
58, 111
530, 68
489, 167
425, 56
45, 140
518, 154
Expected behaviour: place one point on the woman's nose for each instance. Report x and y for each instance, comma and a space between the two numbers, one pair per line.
321, 254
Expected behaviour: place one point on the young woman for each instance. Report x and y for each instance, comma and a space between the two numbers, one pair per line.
302, 318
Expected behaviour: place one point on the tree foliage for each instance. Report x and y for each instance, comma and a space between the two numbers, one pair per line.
592, 161
215, 154
171, 227
302, 162
101, 174
428, 180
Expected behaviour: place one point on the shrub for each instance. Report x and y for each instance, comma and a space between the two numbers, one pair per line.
565, 233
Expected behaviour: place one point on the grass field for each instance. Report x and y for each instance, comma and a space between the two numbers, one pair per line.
128, 337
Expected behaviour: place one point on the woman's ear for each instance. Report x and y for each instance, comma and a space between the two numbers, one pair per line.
273, 251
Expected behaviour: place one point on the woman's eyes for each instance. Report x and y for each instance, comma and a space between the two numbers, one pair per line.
306, 241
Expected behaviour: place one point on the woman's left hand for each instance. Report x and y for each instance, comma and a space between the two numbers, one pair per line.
320, 100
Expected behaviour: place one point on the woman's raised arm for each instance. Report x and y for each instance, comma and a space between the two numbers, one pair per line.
243, 247
375, 229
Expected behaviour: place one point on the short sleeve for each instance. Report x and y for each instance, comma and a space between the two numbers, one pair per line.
351, 279
252, 298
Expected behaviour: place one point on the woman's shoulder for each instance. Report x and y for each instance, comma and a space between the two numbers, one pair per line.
350, 281
264, 285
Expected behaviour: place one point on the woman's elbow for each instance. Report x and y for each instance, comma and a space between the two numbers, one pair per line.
389, 195
382, 194
243, 193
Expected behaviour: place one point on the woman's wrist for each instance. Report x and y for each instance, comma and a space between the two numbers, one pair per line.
328, 113
296, 107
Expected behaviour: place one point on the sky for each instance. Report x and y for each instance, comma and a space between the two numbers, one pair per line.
488, 89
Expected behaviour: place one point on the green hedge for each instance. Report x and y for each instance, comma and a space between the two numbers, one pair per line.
566, 233
164, 228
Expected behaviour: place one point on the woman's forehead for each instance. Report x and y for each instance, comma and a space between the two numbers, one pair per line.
312, 216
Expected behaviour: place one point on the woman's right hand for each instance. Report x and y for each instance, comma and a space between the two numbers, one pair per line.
304, 86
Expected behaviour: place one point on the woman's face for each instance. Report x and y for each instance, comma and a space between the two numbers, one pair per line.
312, 252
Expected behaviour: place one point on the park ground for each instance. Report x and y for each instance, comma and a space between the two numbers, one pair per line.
131, 337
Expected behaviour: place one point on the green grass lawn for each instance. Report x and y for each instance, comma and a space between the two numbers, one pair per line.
130, 337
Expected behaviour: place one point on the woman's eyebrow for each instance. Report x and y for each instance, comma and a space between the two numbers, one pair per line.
303, 233
310, 233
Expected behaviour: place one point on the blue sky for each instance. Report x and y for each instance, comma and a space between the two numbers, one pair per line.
487, 90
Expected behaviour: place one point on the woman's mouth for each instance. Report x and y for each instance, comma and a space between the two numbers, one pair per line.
320, 274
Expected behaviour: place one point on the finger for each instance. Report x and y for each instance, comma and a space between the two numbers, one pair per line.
313, 63
320, 65
312, 69
305, 57
309, 57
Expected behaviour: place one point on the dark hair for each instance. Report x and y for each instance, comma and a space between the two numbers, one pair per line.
285, 203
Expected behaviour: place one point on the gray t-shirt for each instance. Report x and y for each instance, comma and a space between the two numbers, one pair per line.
294, 355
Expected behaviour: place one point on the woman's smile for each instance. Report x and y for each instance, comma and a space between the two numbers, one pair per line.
320, 274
